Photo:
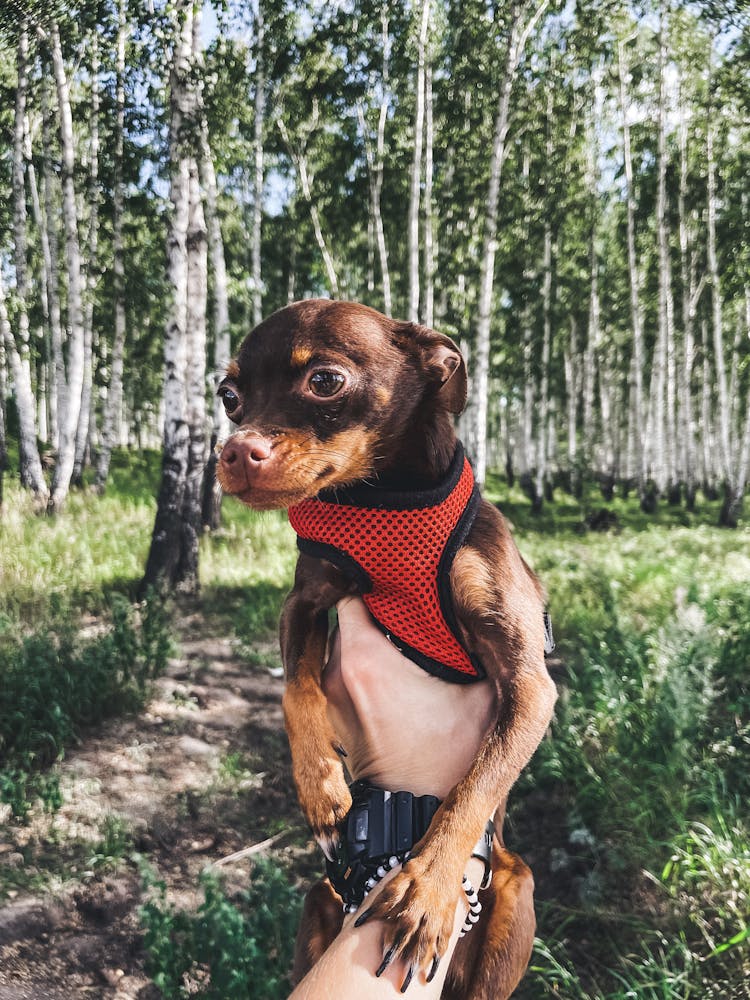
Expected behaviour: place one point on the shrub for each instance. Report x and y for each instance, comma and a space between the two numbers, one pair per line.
228, 949
53, 683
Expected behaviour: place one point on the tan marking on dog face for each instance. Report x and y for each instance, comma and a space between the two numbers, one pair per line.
233, 370
383, 395
301, 467
301, 355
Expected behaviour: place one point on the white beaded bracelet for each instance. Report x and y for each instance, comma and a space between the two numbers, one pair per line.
475, 907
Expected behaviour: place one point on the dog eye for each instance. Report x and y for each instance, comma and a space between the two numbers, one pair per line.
326, 383
229, 398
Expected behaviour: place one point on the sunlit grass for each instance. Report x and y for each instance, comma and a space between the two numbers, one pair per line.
639, 793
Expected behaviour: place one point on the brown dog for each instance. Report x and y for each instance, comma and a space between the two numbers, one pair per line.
328, 395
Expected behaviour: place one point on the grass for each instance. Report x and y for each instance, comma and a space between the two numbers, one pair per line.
231, 948
633, 812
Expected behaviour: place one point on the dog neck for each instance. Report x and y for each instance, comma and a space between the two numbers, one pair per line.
419, 458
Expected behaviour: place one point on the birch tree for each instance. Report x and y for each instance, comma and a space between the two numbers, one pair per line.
113, 408
298, 155
375, 154
19, 349
211, 505
415, 176
173, 557
634, 279
87, 415
258, 174
75, 353
523, 19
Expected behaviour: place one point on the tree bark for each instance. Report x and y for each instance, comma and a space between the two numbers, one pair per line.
570, 360
690, 295
112, 411
50, 303
3, 444
735, 488
429, 235
258, 130
211, 503
376, 161
19, 351
58, 387
75, 362
543, 409
87, 414
173, 557
415, 180
299, 159
714, 280
636, 318
518, 36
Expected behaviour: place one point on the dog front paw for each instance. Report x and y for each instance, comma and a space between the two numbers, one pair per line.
325, 802
418, 914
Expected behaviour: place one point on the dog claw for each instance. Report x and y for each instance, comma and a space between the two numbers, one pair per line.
329, 845
408, 979
363, 917
389, 956
433, 968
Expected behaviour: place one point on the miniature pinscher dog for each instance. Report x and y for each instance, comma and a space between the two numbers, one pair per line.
331, 398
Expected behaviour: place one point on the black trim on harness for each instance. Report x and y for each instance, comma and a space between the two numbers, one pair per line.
375, 497
346, 563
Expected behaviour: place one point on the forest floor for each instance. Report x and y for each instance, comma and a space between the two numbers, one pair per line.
201, 773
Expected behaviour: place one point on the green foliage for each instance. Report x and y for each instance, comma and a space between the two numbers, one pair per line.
54, 682
229, 949
635, 802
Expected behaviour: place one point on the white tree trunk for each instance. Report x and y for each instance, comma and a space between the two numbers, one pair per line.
24, 398
636, 317
664, 416
543, 408
571, 393
3, 394
47, 419
75, 361
716, 305
87, 415
258, 129
19, 351
112, 411
518, 36
173, 557
691, 292
429, 236
58, 385
376, 162
415, 180
211, 503
299, 159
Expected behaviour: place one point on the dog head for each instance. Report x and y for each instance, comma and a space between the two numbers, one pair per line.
327, 394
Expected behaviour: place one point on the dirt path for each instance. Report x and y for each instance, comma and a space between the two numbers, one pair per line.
203, 772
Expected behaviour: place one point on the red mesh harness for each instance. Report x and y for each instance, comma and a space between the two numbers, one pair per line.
399, 548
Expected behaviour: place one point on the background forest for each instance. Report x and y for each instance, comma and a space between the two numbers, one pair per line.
563, 188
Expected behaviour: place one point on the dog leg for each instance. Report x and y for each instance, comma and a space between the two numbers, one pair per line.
490, 961
316, 766
322, 917
418, 905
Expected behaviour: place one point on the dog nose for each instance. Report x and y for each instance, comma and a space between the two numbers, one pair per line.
249, 449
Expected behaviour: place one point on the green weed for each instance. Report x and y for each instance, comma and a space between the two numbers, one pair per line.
228, 949
54, 683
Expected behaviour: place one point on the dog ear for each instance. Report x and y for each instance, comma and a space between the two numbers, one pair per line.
444, 365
